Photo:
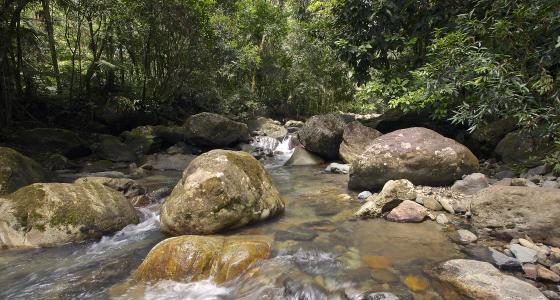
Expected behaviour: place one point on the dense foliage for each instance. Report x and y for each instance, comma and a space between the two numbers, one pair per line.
470, 62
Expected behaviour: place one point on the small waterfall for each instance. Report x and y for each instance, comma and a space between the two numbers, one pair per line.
281, 153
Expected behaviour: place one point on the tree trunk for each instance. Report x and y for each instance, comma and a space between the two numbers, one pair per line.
52, 43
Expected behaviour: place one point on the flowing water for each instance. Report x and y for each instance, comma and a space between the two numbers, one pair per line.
320, 252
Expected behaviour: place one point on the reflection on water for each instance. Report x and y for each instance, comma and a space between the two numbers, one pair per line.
319, 253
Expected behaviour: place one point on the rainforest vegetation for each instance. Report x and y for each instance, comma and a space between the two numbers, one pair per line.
69, 63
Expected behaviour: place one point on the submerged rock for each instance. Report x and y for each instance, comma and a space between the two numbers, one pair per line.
47, 214
302, 157
418, 154
323, 135
394, 192
495, 257
481, 280
17, 170
518, 210
355, 140
194, 258
220, 190
213, 130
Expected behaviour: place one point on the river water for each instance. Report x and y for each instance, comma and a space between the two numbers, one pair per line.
320, 252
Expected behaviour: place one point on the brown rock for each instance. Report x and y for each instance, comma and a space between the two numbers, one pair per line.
193, 258
355, 140
408, 211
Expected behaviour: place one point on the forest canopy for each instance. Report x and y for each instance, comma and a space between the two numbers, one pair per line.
470, 62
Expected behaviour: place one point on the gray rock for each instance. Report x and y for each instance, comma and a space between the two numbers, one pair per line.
268, 127
394, 192
212, 130
551, 295
504, 174
465, 237
551, 184
481, 280
524, 254
113, 149
497, 258
355, 140
323, 135
540, 170
446, 204
417, 154
338, 168
471, 184
17, 170
518, 210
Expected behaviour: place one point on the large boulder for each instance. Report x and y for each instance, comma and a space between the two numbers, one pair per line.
323, 134
47, 214
142, 140
522, 146
268, 127
17, 170
518, 210
418, 154
113, 149
355, 140
480, 280
39, 141
212, 130
302, 157
220, 190
194, 258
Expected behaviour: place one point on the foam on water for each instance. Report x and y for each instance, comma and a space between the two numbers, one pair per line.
282, 153
167, 289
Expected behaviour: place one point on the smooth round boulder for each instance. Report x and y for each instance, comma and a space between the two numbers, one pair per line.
220, 190
213, 130
322, 134
418, 154
355, 140
48, 214
517, 210
480, 280
194, 258
17, 170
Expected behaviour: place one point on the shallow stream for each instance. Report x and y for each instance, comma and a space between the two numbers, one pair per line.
319, 252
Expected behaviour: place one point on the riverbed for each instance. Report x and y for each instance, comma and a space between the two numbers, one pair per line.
320, 251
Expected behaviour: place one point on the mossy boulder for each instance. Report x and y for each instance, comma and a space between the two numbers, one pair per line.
355, 140
113, 149
421, 155
523, 147
142, 140
48, 214
322, 134
193, 258
39, 141
213, 130
17, 170
220, 190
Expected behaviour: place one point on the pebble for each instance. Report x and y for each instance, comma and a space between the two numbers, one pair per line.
524, 254
364, 195
466, 237
446, 204
432, 204
442, 219
546, 274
